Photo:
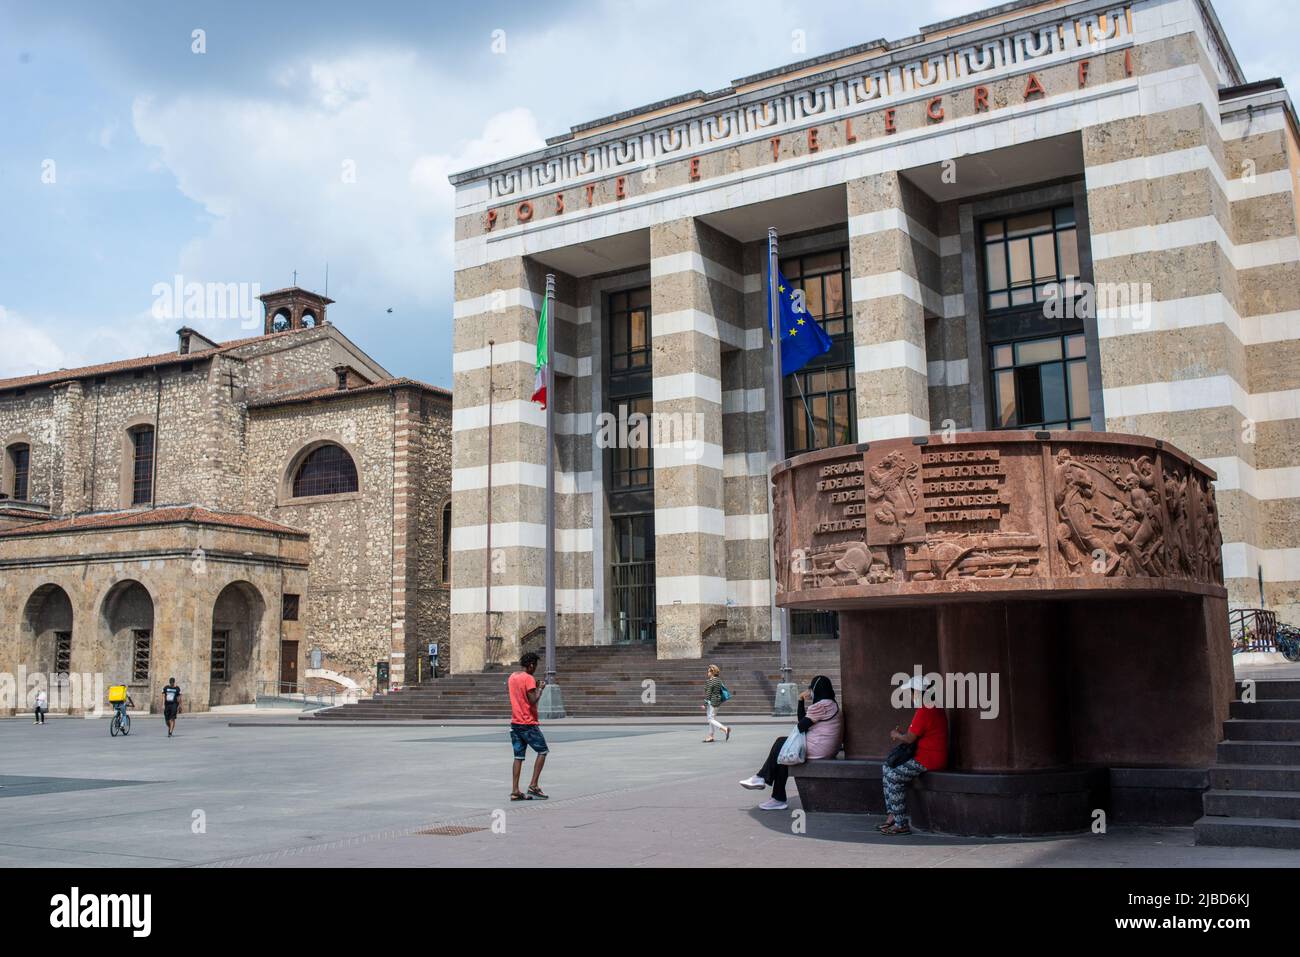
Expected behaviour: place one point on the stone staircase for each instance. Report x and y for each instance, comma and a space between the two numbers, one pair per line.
1254, 794
608, 681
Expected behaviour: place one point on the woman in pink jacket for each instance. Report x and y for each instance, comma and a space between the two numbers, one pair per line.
822, 723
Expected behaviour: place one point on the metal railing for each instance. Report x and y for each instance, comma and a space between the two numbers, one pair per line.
1252, 629
289, 694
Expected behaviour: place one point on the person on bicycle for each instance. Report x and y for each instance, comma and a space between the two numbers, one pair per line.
121, 706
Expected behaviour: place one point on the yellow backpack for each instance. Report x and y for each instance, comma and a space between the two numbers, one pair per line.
117, 694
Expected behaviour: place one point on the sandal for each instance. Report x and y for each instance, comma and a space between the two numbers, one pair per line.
707, 741
884, 828
517, 796
898, 829
535, 792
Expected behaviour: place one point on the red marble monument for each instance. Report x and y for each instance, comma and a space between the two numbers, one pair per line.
1067, 589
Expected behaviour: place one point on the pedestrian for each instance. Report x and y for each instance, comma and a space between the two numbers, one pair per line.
822, 723
42, 706
712, 701
928, 732
525, 730
171, 705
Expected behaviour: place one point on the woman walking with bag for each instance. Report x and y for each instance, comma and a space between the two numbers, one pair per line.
821, 723
714, 694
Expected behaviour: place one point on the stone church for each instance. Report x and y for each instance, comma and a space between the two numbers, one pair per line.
265, 514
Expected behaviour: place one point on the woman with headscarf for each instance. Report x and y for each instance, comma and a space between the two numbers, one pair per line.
822, 723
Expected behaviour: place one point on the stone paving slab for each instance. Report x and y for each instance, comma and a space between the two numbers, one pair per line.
623, 795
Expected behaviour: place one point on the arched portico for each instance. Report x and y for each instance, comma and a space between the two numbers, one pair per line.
237, 621
127, 627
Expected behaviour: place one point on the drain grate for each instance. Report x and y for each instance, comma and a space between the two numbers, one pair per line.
449, 830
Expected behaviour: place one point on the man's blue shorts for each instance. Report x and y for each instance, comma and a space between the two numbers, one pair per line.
524, 736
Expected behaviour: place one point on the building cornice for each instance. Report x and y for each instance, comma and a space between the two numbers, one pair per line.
904, 69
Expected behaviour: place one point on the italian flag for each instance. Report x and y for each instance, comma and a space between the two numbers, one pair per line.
539, 378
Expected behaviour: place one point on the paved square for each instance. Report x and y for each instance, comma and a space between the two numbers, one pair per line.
285, 793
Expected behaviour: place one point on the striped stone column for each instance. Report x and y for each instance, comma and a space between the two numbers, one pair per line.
894, 267
1189, 218
501, 301
694, 285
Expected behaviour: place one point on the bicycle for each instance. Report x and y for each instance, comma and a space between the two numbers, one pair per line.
121, 724
1288, 642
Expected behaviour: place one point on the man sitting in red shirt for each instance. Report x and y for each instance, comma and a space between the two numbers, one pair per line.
929, 732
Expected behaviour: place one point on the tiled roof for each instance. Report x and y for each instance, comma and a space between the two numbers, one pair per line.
140, 362
168, 515
333, 392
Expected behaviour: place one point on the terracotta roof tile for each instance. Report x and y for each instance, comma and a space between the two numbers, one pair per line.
168, 515
140, 362
333, 392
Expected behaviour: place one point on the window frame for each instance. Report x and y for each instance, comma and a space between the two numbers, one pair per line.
799, 271
291, 489
141, 474
13, 472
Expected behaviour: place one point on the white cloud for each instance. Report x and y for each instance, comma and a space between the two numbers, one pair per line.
30, 348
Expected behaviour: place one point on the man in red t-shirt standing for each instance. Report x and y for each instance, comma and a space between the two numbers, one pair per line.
525, 732
929, 733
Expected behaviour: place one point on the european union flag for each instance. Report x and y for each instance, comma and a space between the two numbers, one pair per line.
802, 339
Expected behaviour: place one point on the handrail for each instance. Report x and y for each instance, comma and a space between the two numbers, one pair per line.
1252, 629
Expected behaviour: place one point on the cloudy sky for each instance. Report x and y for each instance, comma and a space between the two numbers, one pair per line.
127, 159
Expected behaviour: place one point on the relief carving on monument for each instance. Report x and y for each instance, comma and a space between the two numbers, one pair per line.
994, 508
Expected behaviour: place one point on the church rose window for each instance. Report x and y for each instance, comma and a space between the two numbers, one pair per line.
328, 470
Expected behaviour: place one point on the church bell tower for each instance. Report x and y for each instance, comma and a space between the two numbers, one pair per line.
293, 308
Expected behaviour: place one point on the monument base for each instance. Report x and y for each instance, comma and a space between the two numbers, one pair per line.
550, 706
987, 804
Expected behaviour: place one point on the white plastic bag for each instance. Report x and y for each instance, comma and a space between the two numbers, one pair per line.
795, 749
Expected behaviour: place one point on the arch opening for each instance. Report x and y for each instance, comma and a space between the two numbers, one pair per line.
237, 620
128, 650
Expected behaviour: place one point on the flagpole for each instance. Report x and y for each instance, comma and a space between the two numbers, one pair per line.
784, 703
551, 703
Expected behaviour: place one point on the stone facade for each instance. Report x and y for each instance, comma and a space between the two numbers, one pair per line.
231, 427
1181, 182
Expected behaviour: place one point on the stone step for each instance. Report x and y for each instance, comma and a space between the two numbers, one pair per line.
1259, 752
1262, 729
1250, 777
1266, 688
1282, 805
1247, 832
1266, 708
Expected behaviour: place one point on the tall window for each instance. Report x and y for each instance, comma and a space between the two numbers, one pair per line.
446, 543
820, 399
1041, 383
141, 639
1037, 355
62, 652
220, 647
634, 577
1028, 257
142, 468
19, 463
327, 470
629, 330
631, 465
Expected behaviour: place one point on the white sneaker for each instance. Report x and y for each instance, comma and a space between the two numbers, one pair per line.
772, 804
754, 783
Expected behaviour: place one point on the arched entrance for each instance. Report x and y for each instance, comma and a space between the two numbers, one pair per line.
236, 634
129, 649
47, 639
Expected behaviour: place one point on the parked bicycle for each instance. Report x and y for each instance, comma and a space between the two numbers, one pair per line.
1288, 642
